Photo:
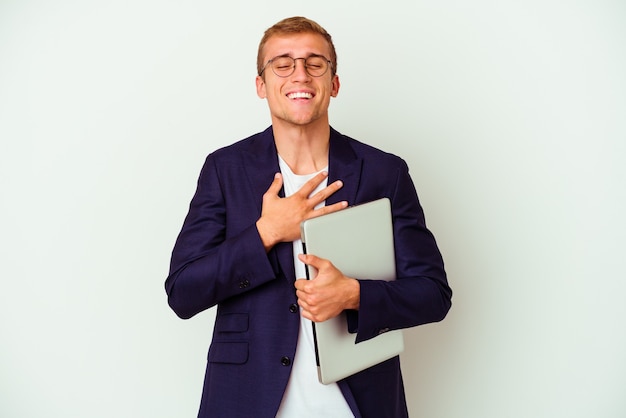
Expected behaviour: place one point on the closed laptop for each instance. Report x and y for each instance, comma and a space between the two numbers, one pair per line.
358, 240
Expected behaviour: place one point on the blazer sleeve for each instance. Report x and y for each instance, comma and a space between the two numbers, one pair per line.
420, 294
211, 261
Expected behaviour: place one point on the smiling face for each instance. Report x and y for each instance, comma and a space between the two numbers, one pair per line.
299, 99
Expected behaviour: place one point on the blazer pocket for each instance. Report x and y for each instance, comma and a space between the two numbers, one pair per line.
232, 322
230, 353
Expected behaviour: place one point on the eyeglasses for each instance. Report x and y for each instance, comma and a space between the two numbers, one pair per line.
284, 66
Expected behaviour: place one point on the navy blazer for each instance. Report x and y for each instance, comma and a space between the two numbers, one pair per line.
219, 259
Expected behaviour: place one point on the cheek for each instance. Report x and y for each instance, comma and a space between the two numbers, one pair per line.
273, 95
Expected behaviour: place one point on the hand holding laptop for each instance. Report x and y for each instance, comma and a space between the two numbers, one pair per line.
329, 293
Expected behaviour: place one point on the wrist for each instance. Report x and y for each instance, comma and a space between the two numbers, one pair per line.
354, 300
266, 236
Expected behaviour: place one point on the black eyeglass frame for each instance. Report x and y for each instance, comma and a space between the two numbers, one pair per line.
330, 65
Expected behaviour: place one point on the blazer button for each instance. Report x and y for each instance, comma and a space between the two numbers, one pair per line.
243, 284
293, 308
285, 361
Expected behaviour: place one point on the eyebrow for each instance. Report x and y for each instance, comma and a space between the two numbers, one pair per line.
312, 54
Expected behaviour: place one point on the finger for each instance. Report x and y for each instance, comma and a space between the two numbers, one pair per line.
299, 284
277, 183
312, 184
311, 260
335, 207
305, 258
327, 191
307, 315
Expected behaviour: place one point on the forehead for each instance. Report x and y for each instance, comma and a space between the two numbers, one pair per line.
296, 45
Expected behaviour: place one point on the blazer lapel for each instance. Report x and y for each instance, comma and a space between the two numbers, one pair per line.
260, 162
344, 165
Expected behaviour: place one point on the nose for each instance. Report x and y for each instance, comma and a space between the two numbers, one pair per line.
300, 71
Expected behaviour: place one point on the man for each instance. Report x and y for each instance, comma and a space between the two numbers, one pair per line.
238, 249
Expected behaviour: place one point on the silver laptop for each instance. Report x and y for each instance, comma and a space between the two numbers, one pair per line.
359, 241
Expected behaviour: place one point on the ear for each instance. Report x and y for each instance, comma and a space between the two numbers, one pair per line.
334, 91
260, 87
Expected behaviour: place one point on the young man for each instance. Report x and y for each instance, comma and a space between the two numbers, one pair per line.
239, 249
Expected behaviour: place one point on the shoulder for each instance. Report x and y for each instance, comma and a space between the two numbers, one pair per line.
366, 152
255, 143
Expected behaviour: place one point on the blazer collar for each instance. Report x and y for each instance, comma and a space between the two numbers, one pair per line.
261, 163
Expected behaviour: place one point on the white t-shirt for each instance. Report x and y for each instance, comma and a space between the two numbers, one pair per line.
305, 396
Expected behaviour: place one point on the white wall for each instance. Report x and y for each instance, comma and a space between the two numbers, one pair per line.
510, 115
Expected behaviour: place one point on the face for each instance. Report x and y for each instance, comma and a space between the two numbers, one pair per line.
298, 99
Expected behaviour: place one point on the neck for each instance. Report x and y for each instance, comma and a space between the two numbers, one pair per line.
304, 148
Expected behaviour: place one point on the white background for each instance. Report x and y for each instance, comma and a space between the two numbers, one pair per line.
511, 115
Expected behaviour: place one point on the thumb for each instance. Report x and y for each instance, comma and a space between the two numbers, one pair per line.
277, 183
311, 260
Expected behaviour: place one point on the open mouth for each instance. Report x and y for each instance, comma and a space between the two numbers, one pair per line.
300, 95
